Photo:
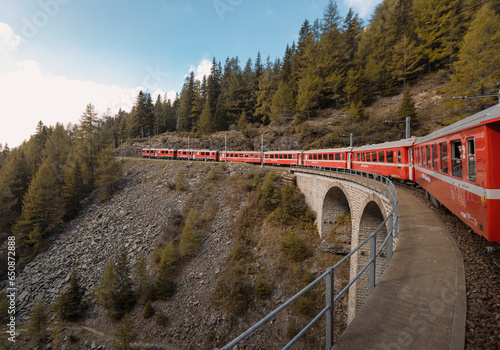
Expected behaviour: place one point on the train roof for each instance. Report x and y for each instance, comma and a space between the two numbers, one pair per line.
391, 144
329, 150
273, 152
486, 116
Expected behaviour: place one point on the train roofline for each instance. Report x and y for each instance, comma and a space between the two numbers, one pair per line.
390, 144
487, 116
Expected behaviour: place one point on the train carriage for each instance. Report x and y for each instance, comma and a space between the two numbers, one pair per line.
148, 153
166, 153
206, 155
282, 158
392, 159
185, 154
241, 156
457, 166
327, 158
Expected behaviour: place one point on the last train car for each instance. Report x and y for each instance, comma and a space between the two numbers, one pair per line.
459, 165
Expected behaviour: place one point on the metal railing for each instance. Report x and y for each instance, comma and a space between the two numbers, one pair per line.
372, 181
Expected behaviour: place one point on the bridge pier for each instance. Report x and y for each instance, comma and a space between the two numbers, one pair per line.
330, 198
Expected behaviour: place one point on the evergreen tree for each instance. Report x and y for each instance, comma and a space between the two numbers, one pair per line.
283, 104
42, 207
108, 172
165, 286
187, 104
407, 108
268, 84
159, 116
88, 144
73, 191
69, 304
37, 325
14, 177
125, 335
478, 56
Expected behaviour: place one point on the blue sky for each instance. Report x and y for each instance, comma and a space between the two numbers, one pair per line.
56, 56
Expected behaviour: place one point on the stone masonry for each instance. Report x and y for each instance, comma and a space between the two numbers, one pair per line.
329, 198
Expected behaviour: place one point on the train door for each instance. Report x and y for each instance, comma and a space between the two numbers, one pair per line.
410, 163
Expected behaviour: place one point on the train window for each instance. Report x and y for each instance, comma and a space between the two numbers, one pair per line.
358, 157
428, 157
363, 157
456, 158
381, 156
281, 156
389, 156
399, 156
374, 156
444, 157
337, 156
434, 157
471, 159
330, 156
368, 156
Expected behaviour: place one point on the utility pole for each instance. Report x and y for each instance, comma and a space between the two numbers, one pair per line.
225, 148
262, 151
407, 121
351, 139
188, 148
149, 147
121, 146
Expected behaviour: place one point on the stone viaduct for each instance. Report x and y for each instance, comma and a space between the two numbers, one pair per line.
331, 196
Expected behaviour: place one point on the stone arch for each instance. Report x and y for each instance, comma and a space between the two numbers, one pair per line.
373, 214
335, 204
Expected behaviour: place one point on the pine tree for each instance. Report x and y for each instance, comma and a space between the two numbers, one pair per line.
125, 335
88, 143
42, 207
37, 325
283, 104
187, 104
108, 172
478, 56
73, 191
149, 311
165, 286
69, 304
14, 177
115, 291
407, 108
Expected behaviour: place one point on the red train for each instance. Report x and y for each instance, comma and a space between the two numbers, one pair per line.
457, 165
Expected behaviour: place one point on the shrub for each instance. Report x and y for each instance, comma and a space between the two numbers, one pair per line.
263, 288
180, 182
307, 304
294, 248
149, 311
161, 318
232, 293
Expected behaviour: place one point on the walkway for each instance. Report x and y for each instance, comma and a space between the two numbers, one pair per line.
420, 301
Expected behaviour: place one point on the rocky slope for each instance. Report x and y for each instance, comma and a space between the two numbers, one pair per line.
134, 220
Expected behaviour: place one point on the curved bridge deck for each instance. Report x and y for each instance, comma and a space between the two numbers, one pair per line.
420, 301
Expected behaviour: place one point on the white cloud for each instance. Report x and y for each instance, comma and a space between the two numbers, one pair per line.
362, 7
203, 69
8, 38
28, 94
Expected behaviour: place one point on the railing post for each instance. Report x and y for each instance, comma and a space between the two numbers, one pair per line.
330, 295
396, 219
373, 249
391, 234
